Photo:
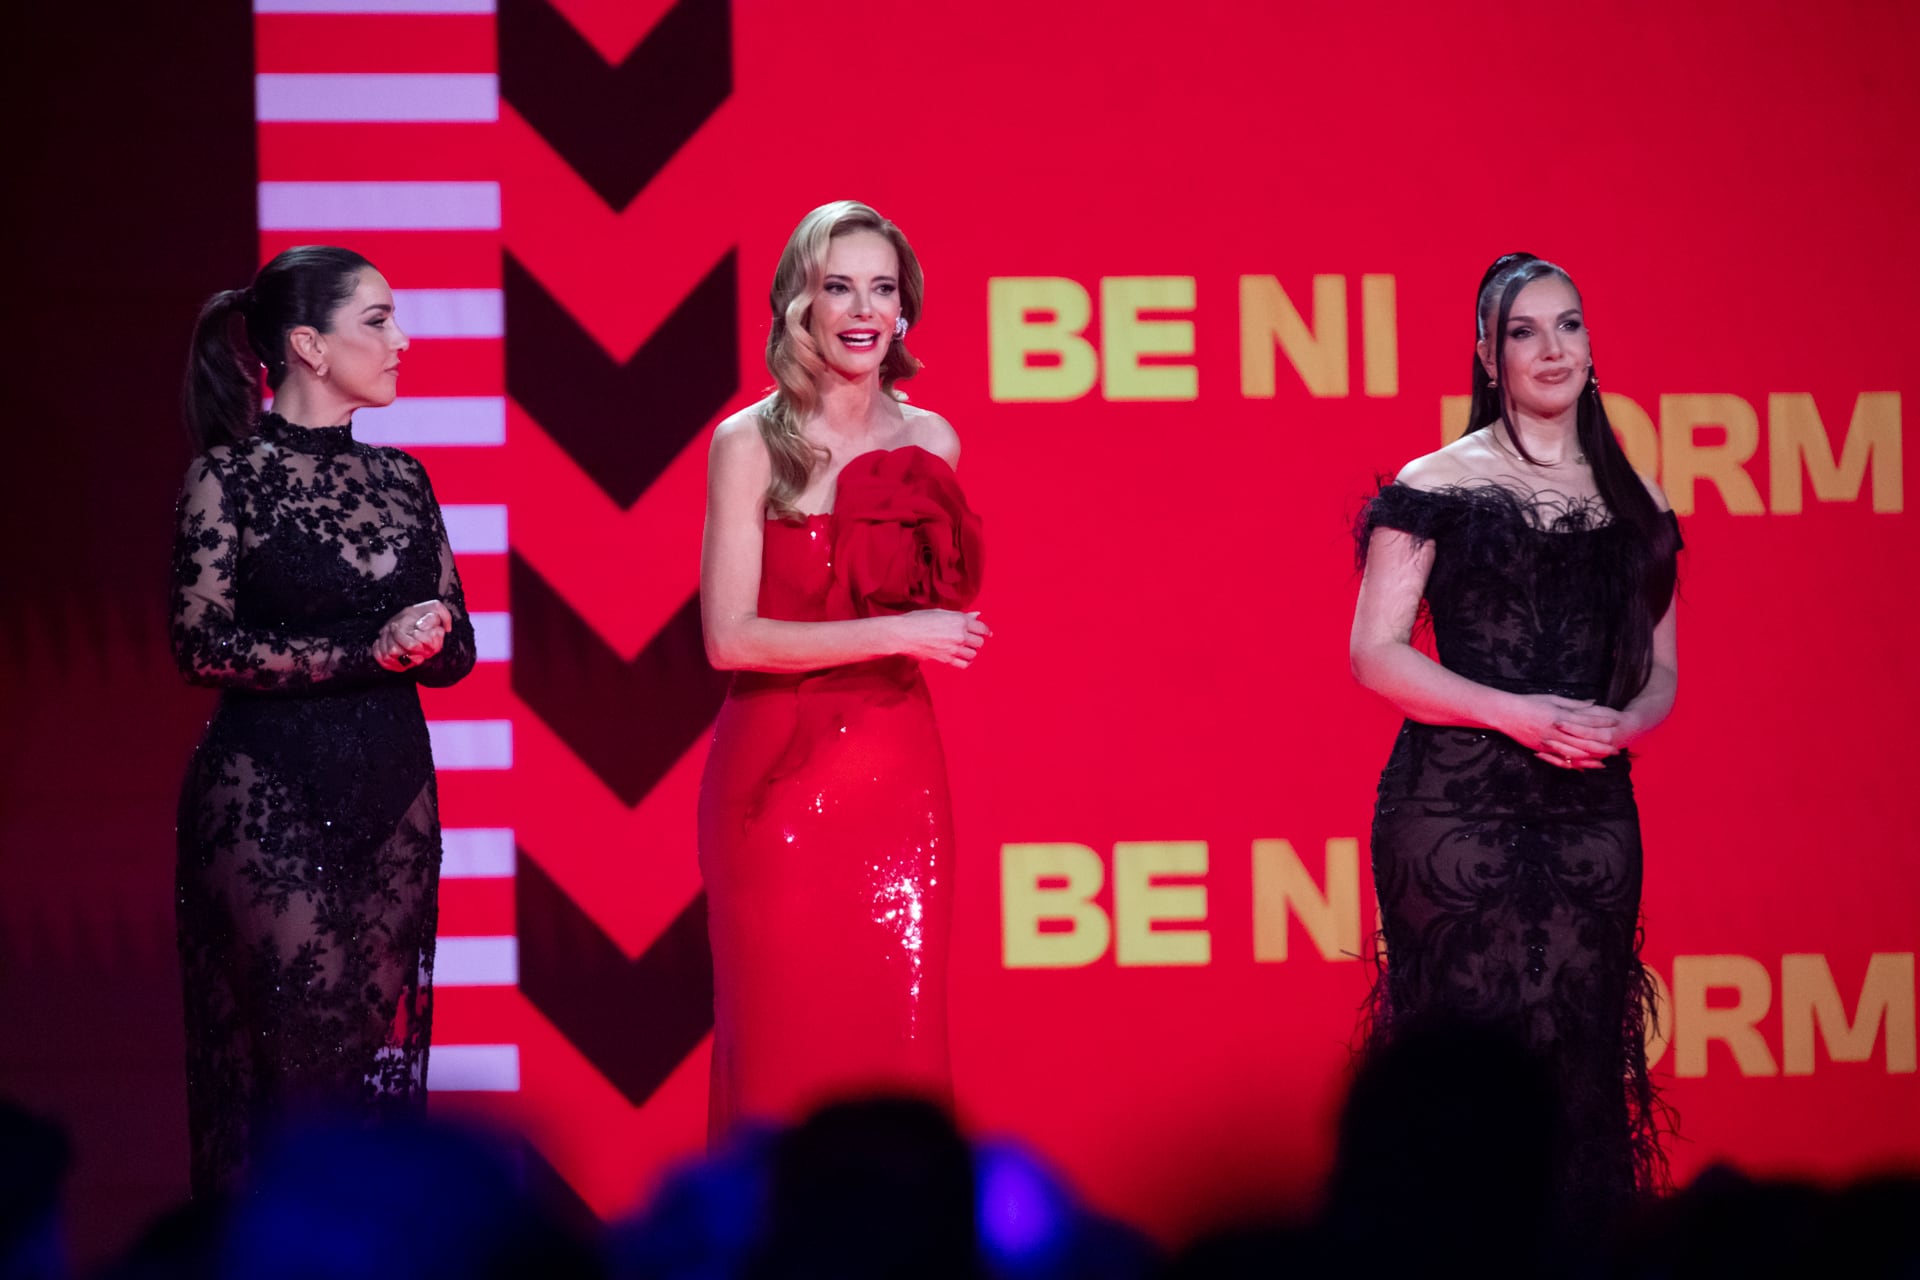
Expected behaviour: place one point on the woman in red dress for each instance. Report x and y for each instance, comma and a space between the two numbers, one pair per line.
839, 554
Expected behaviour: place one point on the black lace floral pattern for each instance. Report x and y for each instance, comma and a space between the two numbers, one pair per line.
1509, 889
309, 832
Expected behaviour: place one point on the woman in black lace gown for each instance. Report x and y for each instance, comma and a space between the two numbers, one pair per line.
313, 586
1506, 842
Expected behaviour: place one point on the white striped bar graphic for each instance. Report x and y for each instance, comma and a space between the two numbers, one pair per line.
471, 744
469, 960
492, 636
451, 313
434, 420
476, 853
379, 206
436, 98
373, 6
474, 1068
476, 528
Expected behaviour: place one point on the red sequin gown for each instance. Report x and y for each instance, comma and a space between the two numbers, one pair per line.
826, 836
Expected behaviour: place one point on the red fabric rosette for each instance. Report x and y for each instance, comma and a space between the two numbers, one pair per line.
903, 536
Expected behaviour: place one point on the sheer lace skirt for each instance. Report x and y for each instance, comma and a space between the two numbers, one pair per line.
306, 925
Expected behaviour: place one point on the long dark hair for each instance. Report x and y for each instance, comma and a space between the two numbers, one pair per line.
1650, 534
304, 285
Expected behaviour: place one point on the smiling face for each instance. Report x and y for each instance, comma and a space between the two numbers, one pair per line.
858, 303
1548, 355
363, 343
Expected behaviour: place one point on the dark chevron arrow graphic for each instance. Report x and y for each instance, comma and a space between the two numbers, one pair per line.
635, 1020
623, 423
616, 126
629, 721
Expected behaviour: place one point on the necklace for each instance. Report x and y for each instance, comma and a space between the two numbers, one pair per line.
1504, 446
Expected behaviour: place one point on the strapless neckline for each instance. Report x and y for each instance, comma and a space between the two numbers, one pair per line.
809, 517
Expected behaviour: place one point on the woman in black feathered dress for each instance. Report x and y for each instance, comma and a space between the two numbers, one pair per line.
1506, 841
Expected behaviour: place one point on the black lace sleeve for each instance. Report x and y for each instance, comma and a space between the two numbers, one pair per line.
456, 656
209, 644
1398, 506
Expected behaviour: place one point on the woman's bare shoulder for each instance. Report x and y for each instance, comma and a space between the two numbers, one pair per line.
1445, 466
739, 432
933, 433
739, 447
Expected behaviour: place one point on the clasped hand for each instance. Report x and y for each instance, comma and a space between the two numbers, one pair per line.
412, 635
1568, 733
943, 635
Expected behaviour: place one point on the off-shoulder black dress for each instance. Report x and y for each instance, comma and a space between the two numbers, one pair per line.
309, 829
1509, 889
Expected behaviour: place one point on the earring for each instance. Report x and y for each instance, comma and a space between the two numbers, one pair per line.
1593, 380
899, 328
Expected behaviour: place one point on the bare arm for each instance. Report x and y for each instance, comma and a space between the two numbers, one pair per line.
1381, 647
1655, 702
737, 637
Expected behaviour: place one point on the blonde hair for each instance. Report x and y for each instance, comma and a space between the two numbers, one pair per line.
792, 357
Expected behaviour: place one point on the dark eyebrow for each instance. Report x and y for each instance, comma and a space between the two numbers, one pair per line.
835, 275
379, 306
1570, 311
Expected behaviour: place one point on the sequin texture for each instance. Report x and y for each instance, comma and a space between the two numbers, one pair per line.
825, 841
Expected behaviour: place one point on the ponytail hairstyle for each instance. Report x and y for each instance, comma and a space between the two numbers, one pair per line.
1650, 535
241, 331
792, 357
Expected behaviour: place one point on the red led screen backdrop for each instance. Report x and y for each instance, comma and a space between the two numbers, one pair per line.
1196, 274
